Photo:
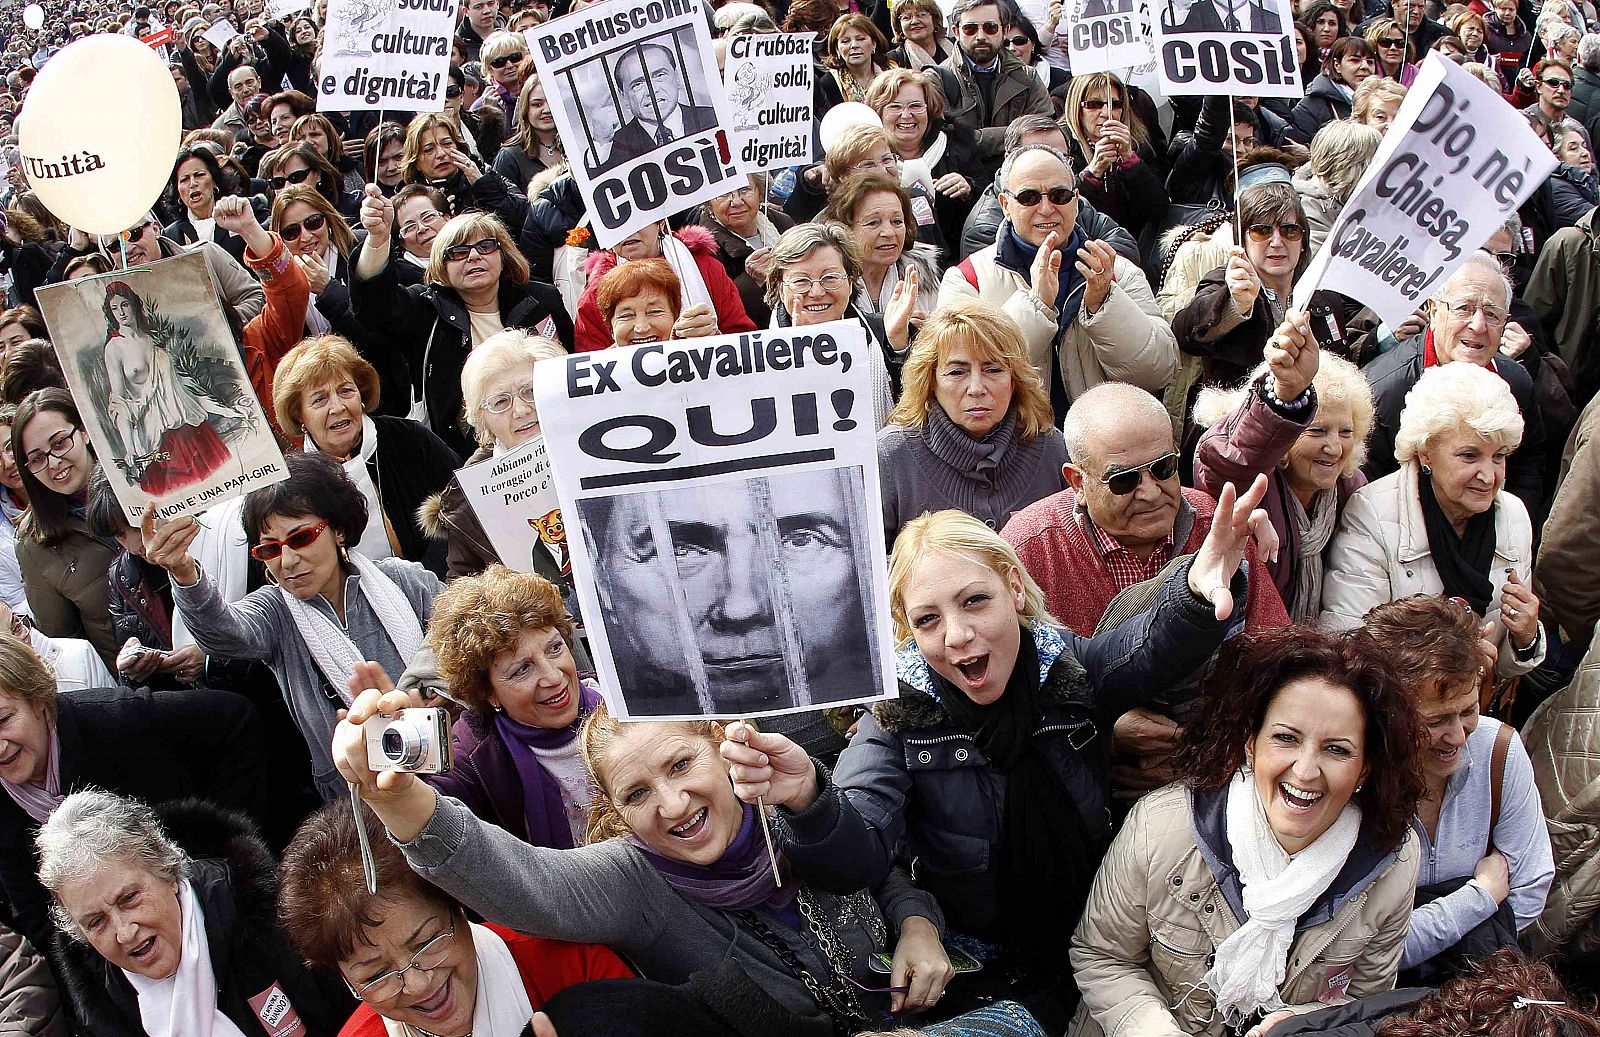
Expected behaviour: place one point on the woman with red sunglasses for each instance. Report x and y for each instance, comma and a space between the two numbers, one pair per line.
327, 607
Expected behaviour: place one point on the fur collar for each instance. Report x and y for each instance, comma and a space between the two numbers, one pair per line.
1062, 680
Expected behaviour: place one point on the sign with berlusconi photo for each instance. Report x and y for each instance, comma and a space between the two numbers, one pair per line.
1244, 48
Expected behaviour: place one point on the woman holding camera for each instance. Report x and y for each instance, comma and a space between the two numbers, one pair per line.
327, 607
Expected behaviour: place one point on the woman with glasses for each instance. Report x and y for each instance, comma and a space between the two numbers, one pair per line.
326, 393
536, 145
1118, 171
419, 213
170, 924
1021, 39
1572, 190
503, 57
919, 31
409, 953
326, 606
856, 53
1349, 62
301, 163
1396, 52
497, 398
476, 285
933, 152
745, 226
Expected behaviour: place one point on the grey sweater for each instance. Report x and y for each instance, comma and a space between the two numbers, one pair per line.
609, 893
941, 466
258, 626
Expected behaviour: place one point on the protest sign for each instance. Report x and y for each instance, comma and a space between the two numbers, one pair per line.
220, 33
634, 88
514, 497
159, 38
1108, 35
721, 497
160, 386
279, 10
1240, 47
768, 82
1456, 162
389, 55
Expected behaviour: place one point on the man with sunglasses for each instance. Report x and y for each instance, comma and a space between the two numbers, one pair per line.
991, 87
1553, 79
1087, 314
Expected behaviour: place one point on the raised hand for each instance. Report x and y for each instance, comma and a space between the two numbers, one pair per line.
1244, 284
167, 544
1097, 262
1519, 610
1292, 356
769, 767
1238, 520
1046, 271
377, 216
897, 315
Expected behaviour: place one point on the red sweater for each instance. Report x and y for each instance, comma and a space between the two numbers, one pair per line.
546, 966
280, 325
592, 330
1061, 557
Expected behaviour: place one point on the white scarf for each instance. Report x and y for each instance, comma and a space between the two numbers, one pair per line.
920, 170
40, 801
693, 289
316, 323
331, 648
185, 1003
374, 542
502, 1008
1278, 889
765, 230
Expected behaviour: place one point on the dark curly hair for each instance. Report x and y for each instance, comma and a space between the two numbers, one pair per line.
1432, 642
1250, 672
1493, 998
316, 487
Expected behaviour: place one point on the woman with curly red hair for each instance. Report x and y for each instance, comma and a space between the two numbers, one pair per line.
1279, 876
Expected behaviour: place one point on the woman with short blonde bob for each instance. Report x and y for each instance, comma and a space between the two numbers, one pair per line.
1375, 103
1119, 171
497, 396
973, 429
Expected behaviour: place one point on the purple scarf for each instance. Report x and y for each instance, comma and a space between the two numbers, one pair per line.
742, 879
542, 809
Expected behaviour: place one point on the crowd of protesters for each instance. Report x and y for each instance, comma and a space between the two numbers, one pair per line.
1248, 656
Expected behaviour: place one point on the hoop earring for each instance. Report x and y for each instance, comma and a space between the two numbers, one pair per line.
268, 571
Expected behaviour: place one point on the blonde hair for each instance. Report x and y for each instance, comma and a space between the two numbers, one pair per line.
988, 334
1371, 92
1098, 84
1338, 382
474, 226
500, 43
312, 362
26, 677
496, 355
595, 739
854, 144
886, 85
955, 534
475, 618
1456, 396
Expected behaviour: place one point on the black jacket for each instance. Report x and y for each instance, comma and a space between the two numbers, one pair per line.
1135, 196
333, 302
411, 465
733, 251
557, 209
1324, 102
183, 232
149, 746
1567, 197
430, 326
233, 875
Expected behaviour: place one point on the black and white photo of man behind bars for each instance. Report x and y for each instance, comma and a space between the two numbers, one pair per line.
738, 597
1209, 16
653, 85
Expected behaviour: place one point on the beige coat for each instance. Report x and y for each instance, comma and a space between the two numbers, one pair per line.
1126, 340
1157, 914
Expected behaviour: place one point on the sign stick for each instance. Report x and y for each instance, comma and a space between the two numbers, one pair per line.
766, 826
1233, 140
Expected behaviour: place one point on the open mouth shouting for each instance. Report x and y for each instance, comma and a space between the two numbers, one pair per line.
1298, 800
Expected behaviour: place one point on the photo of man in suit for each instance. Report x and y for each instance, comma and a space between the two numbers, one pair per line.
1100, 8
654, 87
1210, 16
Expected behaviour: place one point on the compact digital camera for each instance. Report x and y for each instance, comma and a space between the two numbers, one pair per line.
415, 740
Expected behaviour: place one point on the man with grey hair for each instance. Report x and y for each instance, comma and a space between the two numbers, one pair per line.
1467, 322
1087, 314
1585, 104
992, 86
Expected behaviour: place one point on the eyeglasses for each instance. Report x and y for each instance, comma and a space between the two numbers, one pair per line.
299, 539
973, 28
1507, 260
889, 163
483, 247
1016, 41
500, 402
299, 176
894, 108
506, 59
311, 224
452, 91
829, 282
1031, 196
389, 986
1391, 43
1094, 104
1465, 309
1557, 84
1263, 231
415, 226
58, 446
135, 233
1126, 481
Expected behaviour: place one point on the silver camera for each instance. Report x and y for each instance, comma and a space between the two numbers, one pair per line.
415, 740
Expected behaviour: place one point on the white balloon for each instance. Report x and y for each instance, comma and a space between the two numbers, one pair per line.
99, 132
843, 116
33, 16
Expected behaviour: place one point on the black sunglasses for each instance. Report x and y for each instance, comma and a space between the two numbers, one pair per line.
1391, 43
1557, 84
312, 223
506, 59
452, 91
1031, 196
1094, 104
483, 246
1017, 41
1126, 481
299, 176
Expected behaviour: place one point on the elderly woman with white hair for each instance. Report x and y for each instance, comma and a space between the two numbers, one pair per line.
1443, 523
1339, 155
497, 390
1302, 421
170, 924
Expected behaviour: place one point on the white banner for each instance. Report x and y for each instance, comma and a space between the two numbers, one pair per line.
1240, 47
514, 497
634, 88
1456, 162
1108, 35
280, 10
160, 387
767, 78
722, 507
385, 55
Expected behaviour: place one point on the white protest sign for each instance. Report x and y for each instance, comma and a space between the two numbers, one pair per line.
1108, 35
514, 497
1456, 161
388, 55
768, 82
722, 507
279, 10
220, 33
634, 88
1240, 47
